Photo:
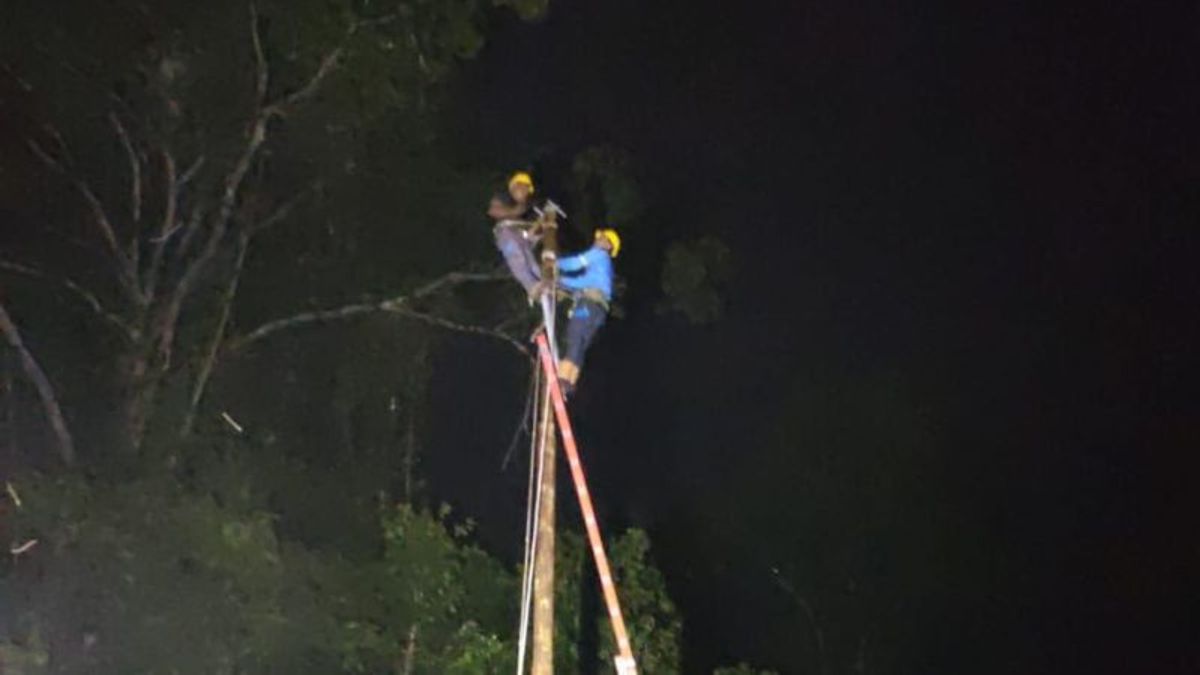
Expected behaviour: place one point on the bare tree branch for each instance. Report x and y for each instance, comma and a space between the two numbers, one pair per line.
183, 288
191, 172
90, 299
195, 220
135, 175
282, 211
227, 297
168, 223
449, 280
447, 324
233, 182
262, 72
818, 633
126, 275
218, 336
63, 149
102, 222
37, 376
398, 305
329, 63
303, 319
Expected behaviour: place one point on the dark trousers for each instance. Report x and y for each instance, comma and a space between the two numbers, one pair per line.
518, 254
584, 321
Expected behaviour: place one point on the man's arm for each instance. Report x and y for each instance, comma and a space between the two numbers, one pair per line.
596, 257
572, 263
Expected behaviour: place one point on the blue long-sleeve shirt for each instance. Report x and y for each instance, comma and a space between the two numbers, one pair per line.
591, 269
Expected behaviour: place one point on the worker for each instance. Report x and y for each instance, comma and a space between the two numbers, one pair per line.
588, 278
515, 231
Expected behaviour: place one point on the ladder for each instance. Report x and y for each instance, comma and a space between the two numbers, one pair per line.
624, 660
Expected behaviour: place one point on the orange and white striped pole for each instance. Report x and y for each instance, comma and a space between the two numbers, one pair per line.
624, 661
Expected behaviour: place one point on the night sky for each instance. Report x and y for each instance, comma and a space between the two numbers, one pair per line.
986, 213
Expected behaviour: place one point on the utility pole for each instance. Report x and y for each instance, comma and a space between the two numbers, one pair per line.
543, 563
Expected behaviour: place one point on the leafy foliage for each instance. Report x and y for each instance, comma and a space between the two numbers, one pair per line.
606, 190
158, 575
147, 577
693, 278
653, 621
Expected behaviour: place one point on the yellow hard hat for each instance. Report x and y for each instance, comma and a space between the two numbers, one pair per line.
521, 178
612, 237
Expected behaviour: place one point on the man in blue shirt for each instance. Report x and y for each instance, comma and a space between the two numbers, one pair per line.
588, 277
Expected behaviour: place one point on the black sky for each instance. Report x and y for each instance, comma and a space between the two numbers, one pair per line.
995, 206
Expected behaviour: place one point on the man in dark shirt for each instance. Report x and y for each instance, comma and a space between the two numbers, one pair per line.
513, 211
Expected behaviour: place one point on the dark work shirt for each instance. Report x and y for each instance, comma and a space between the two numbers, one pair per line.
506, 199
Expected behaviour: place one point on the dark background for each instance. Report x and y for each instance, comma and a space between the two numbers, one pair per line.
985, 213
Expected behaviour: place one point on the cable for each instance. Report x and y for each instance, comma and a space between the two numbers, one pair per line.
525, 415
533, 500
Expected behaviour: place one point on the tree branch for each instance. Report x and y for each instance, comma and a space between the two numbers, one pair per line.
195, 220
218, 337
818, 633
401, 304
183, 287
303, 319
190, 172
284, 210
262, 72
227, 297
87, 297
460, 327
233, 181
135, 176
37, 376
126, 276
328, 64
168, 222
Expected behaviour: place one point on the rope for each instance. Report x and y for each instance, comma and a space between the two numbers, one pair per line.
533, 497
526, 414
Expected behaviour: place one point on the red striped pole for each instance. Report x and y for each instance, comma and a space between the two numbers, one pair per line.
625, 663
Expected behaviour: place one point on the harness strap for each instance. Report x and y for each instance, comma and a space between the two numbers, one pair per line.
589, 295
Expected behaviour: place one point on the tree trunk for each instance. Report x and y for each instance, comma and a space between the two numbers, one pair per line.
139, 390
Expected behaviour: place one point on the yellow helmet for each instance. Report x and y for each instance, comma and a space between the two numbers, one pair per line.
612, 237
521, 178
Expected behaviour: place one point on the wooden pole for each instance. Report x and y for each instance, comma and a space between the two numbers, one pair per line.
543, 563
